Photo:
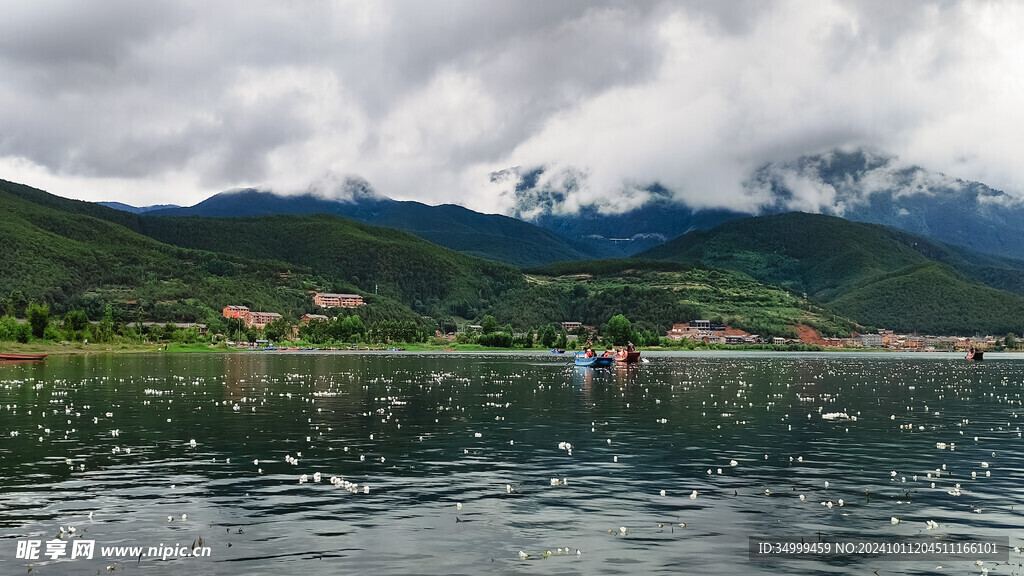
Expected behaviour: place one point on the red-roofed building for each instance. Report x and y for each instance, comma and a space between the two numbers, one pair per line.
327, 300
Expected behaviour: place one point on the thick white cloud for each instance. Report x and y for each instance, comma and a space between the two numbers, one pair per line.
158, 103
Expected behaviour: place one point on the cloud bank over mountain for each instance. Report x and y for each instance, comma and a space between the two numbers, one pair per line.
428, 101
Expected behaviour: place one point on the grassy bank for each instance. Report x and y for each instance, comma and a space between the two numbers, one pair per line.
75, 348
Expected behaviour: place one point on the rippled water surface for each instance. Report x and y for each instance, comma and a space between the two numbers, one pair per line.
454, 457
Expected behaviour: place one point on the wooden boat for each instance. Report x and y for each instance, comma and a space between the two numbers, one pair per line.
627, 357
976, 355
594, 362
4, 356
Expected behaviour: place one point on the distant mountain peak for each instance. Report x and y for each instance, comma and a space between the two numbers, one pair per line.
837, 181
539, 192
348, 188
136, 209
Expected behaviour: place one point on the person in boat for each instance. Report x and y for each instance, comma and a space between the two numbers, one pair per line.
630, 347
609, 352
590, 352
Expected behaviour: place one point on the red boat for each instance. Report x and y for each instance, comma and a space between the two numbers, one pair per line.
4, 356
627, 357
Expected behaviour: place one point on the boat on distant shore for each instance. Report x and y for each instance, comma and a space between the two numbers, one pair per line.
5, 356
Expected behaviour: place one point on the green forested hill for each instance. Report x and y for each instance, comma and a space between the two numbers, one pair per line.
932, 298
73, 253
655, 295
875, 275
76, 261
430, 279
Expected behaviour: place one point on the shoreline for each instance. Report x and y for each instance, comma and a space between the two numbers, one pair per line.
80, 349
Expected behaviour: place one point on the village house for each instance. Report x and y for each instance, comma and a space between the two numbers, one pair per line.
307, 318
700, 330
871, 340
570, 326
260, 320
327, 300
239, 312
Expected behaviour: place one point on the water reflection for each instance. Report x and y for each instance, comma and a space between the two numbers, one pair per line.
424, 432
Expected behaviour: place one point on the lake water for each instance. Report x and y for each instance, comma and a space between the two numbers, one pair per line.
459, 453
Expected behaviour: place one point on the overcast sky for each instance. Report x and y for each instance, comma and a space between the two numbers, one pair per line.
146, 102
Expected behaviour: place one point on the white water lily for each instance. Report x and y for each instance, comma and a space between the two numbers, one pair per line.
693, 495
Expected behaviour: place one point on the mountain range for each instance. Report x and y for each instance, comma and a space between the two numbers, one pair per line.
857, 185
449, 260
487, 235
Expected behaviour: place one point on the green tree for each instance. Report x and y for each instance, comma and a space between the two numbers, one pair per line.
561, 341
76, 320
38, 318
548, 335
352, 327
620, 330
1010, 341
489, 324
16, 304
105, 331
278, 330
23, 332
